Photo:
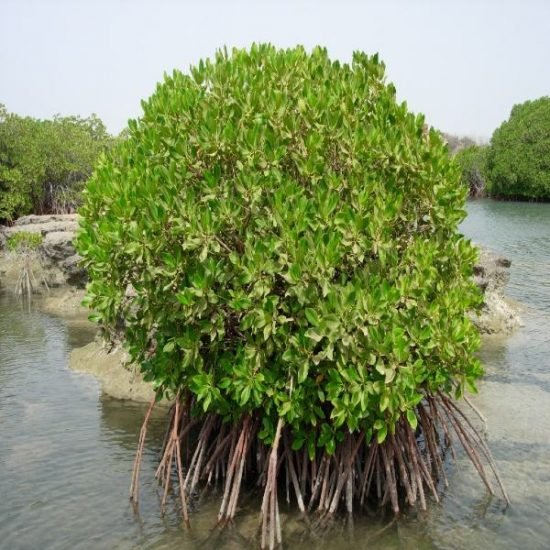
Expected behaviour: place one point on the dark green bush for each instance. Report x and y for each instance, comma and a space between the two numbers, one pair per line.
45, 163
290, 236
518, 161
473, 163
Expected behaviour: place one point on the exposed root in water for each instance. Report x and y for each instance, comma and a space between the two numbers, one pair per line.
404, 470
134, 485
270, 519
24, 285
27, 283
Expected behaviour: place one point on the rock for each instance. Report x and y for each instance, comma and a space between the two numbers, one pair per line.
57, 259
58, 245
503, 262
479, 270
75, 274
66, 302
492, 271
44, 227
499, 315
36, 219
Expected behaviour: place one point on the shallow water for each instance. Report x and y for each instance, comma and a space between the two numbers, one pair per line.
66, 451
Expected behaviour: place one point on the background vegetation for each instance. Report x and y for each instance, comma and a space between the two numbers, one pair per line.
44, 164
518, 159
516, 163
473, 164
24, 241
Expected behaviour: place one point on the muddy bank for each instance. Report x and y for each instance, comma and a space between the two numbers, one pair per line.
118, 378
64, 302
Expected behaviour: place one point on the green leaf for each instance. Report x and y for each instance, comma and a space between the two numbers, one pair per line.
302, 371
168, 347
412, 419
381, 434
314, 335
312, 317
285, 408
245, 395
311, 445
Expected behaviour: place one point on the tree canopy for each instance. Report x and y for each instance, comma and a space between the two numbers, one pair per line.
44, 163
518, 160
291, 237
277, 241
473, 163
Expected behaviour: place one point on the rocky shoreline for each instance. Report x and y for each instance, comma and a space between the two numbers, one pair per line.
500, 314
57, 263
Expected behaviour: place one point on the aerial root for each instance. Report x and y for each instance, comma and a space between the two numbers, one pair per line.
406, 469
270, 519
134, 485
234, 473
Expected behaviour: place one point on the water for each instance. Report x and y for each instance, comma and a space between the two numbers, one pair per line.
66, 450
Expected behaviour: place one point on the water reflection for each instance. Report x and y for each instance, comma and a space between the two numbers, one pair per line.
120, 423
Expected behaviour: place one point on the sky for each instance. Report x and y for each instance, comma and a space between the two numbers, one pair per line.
463, 63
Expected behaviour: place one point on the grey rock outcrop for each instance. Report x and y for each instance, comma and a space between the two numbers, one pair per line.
58, 245
498, 315
45, 224
57, 256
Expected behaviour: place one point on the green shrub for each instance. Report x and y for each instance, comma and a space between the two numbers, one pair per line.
44, 163
279, 238
23, 241
472, 161
518, 161
291, 237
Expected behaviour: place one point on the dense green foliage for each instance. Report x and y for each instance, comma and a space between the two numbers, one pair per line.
518, 160
45, 163
23, 241
280, 237
473, 163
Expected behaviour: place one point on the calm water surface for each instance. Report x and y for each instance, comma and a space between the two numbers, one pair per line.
66, 450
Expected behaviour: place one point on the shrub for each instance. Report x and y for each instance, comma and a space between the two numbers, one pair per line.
44, 163
23, 241
472, 161
518, 161
289, 233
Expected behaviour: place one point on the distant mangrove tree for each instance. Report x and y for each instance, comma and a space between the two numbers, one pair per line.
45, 163
516, 162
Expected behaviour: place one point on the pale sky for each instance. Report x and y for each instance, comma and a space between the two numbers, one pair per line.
463, 63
